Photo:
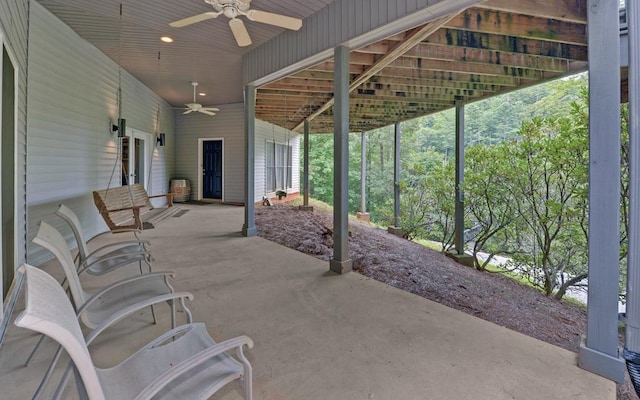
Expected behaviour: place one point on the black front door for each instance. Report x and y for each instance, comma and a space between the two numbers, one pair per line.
212, 169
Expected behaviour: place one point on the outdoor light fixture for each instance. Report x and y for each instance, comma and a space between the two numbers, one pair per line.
167, 39
161, 139
120, 128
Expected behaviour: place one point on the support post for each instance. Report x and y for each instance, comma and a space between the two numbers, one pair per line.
632, 333
306, 163
363, 214
341, 262
599, 352
249, 227
459, 184
396, 229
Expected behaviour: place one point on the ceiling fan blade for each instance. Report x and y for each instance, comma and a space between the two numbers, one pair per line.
192, 20
210, 109
189, 111
202, 110
275, 19
239, 32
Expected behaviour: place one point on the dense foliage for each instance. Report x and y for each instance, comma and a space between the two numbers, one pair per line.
526, 180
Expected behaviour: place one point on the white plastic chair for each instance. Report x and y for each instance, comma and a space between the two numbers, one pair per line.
108, 257
184, 363
107, 306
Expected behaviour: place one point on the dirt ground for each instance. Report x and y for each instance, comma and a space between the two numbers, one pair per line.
430, 274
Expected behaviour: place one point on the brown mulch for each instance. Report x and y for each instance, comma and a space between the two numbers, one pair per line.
430, 274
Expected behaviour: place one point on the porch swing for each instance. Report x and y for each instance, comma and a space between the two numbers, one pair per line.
126, 208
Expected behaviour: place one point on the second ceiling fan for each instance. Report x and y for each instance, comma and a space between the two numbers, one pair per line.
234, 8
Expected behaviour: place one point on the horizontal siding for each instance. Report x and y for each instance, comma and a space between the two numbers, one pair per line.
352, 23
266, 131
72, 103
227, 124
14, 31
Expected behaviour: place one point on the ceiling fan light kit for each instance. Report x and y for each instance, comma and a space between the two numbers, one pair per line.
232, 9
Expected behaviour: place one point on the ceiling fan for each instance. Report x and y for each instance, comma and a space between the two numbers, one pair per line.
234, 8
197, 107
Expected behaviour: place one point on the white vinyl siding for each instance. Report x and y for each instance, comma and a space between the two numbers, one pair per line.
14, 22
227, 124
72, 105
269, 133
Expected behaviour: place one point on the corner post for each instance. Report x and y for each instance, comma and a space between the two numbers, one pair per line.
599, 352
249, 227
340, 262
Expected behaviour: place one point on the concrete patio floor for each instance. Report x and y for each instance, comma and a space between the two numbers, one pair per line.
318, 335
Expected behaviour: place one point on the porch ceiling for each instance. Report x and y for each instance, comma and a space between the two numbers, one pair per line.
499, 46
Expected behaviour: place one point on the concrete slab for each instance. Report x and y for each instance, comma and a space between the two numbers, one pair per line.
319, 335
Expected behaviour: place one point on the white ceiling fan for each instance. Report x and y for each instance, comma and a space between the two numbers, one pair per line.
234, 8
197, 107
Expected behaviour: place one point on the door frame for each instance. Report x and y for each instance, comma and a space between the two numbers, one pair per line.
147, 138
16, 84
199, 166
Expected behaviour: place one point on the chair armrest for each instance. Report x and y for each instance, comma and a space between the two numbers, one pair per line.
133, 308
122, 244
83, 267
90, 300
124, 230
193, 362
169, 197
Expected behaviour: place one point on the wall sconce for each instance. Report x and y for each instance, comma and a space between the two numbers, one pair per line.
160, 140
121, 128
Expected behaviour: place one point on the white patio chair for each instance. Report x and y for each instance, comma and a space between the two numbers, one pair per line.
108, 257
184, 363
104, 307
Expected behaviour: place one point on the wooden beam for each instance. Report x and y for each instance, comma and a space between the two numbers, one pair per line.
562, 10
414, 38
508, 43
497, 22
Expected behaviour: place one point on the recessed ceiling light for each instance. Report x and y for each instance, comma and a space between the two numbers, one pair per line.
202, 94
166, 39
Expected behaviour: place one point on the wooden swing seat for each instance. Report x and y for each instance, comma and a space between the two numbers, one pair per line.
129, 207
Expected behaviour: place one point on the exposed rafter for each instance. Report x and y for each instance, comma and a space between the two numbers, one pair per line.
412, 39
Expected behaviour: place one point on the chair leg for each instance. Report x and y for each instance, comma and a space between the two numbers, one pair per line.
47, 374
186, 310
35, 348
248, 388
153, 312
173, 313
63, 381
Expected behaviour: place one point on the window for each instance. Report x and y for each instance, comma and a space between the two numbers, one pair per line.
278, 168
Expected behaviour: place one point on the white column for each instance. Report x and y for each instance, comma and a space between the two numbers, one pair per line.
599, 352
249, 227
341, 262
632, 335
306, 163
459, 184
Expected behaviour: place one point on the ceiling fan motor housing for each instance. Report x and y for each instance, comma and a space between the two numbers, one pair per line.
230, 8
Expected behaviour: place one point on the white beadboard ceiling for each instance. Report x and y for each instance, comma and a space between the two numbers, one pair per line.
205, 52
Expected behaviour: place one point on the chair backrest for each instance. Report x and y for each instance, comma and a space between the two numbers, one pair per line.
68, 215
121, 197
49, 238
49, 312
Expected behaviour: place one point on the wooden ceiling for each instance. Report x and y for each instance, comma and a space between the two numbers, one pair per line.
497, 47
